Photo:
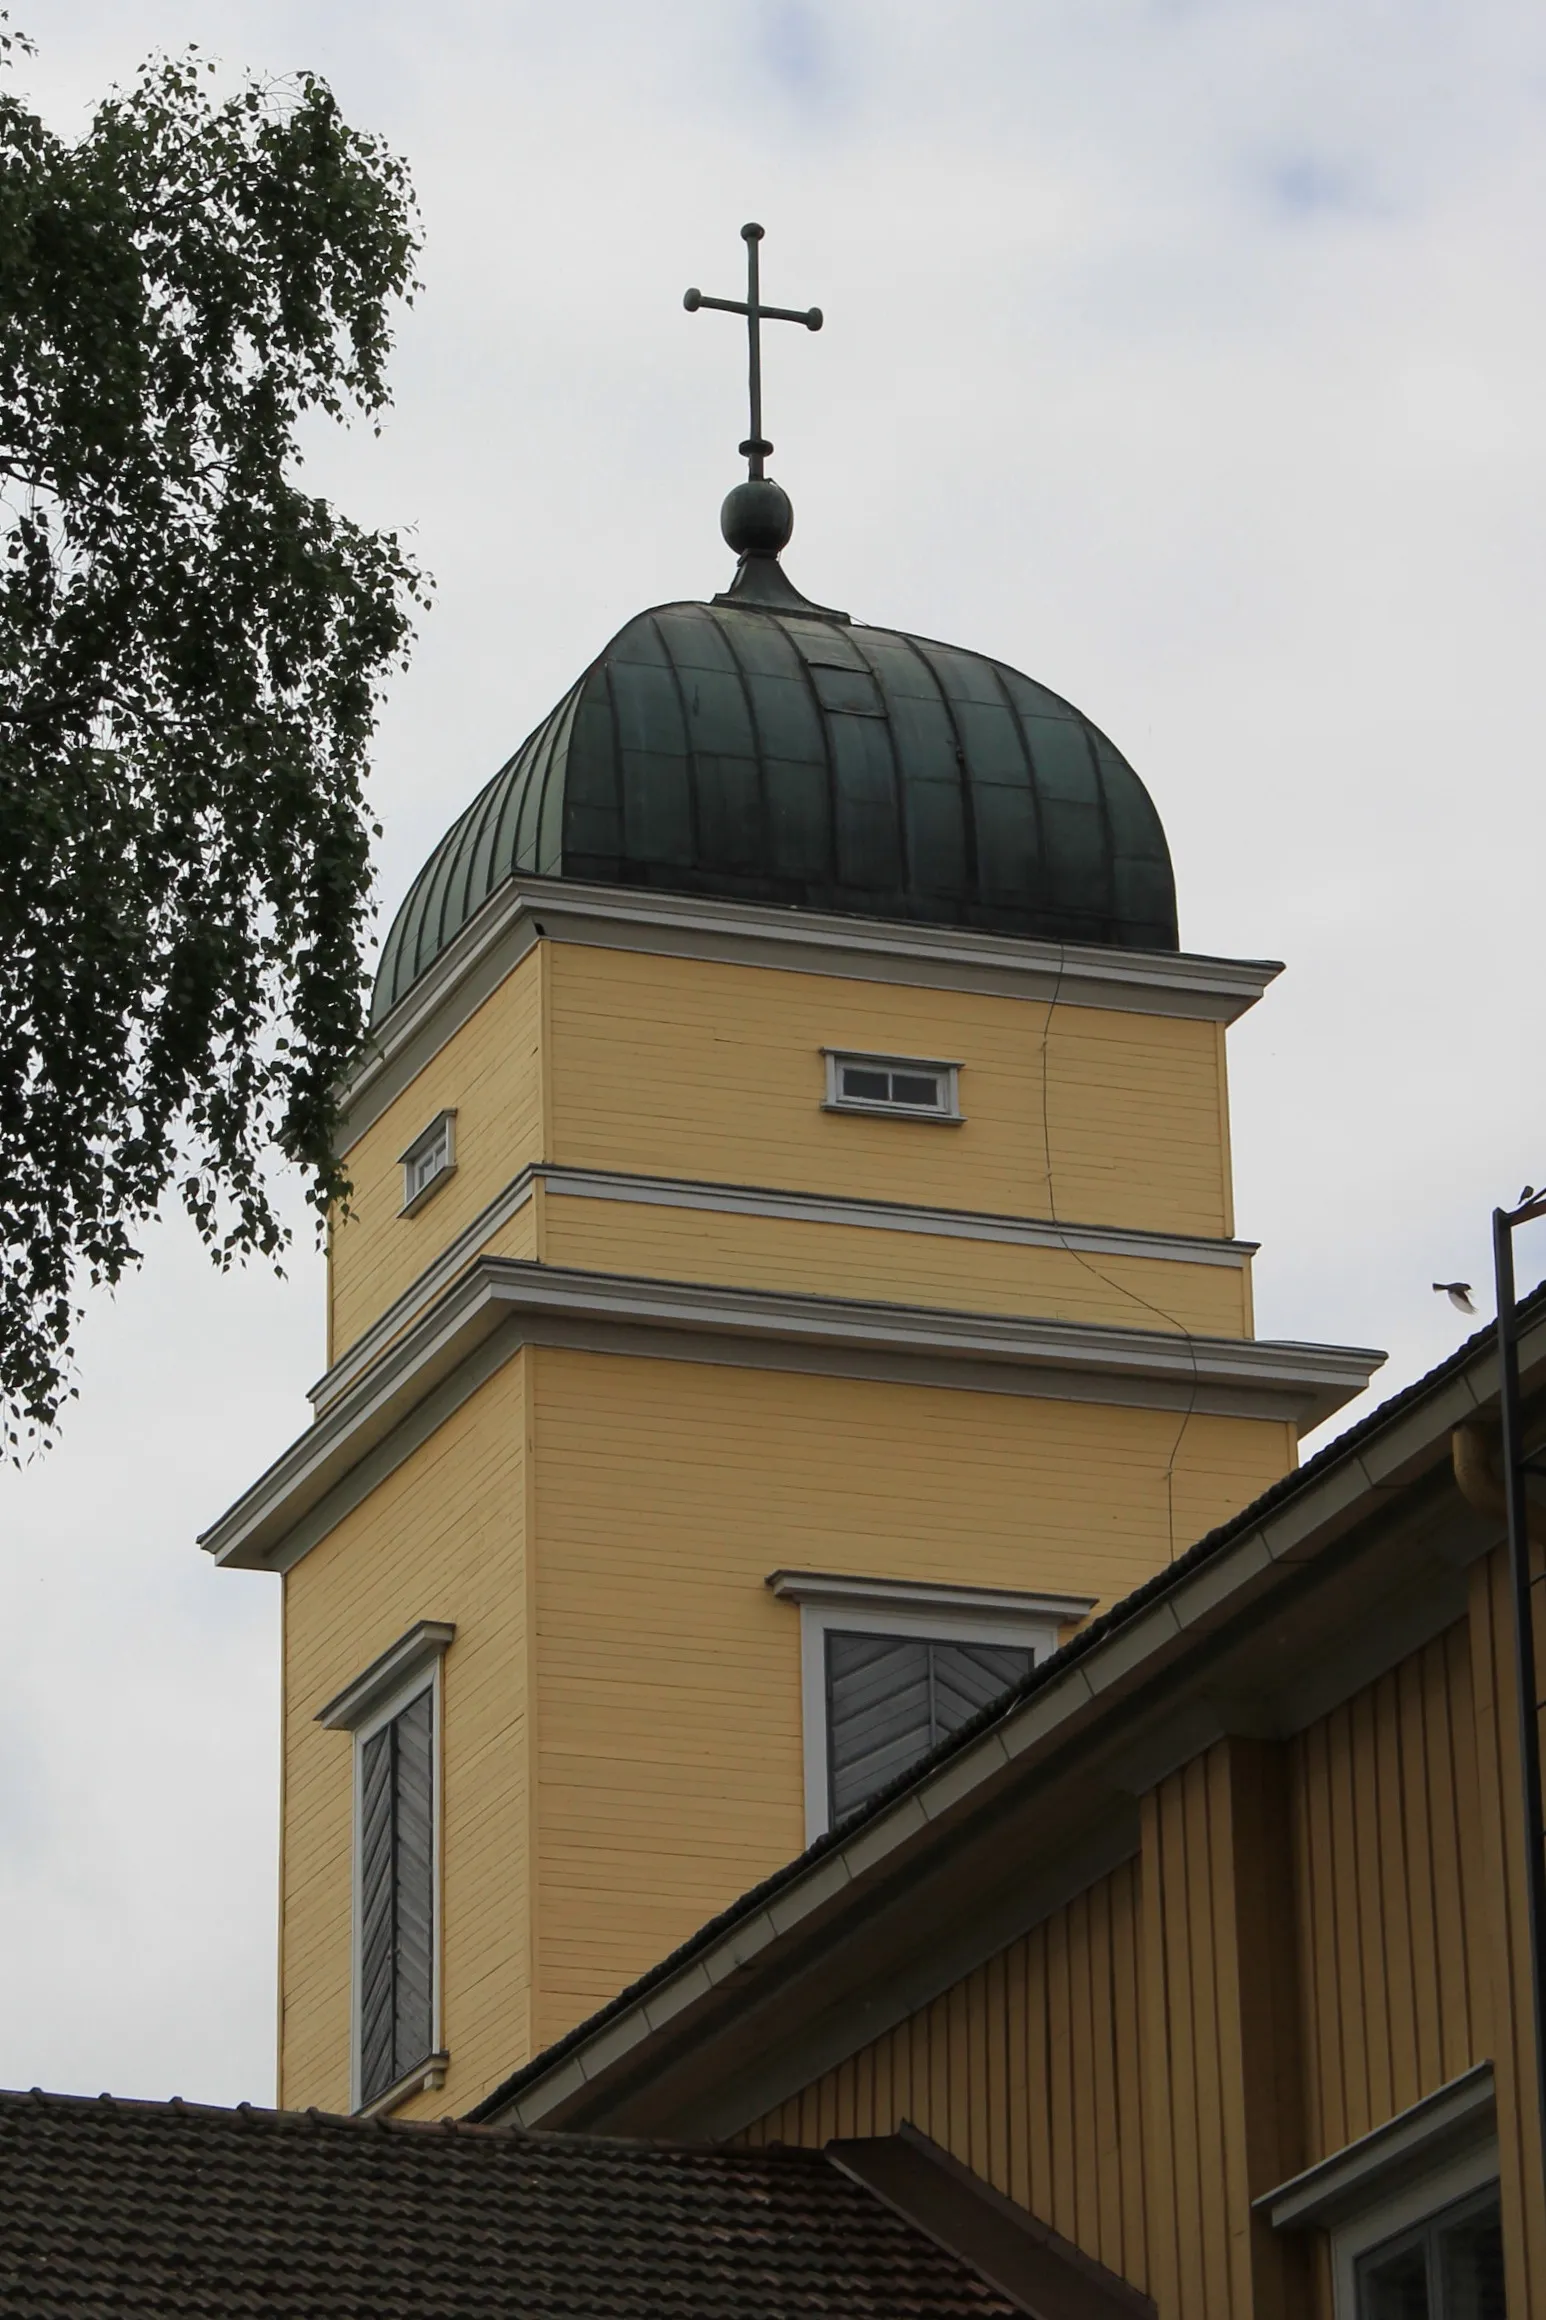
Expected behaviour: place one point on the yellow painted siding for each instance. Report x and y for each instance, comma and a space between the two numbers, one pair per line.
1507, 1923
441, 1538
676, 1067
490, 1075
1305, 1947
1029, 2071
1222, 2121
669, 1676
841, 1260
1394, 1963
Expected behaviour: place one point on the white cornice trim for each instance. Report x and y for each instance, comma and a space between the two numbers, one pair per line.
499, 934
421, 1293
896, 1216
532, 1304
411, 1655
752, 1200
840, 1588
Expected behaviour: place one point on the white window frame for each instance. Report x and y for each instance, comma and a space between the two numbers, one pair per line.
947, 1114
441, 1129
403, 1673
1442, 2150
831, 1601
1420, 2202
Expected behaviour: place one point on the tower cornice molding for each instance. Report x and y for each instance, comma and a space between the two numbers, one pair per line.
760, 1201
502, 1304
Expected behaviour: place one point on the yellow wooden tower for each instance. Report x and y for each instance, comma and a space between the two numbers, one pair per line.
791, 1281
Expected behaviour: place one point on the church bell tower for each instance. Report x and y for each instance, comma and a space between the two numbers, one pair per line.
790, 1283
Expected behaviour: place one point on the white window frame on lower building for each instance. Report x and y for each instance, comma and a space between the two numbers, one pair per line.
1442, 2150
401, 1675
946, 1076
849, 1605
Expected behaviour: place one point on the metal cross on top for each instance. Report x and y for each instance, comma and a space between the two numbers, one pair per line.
756, 448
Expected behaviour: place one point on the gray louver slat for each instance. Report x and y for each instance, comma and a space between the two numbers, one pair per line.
397, 1897
890, 1699
376, 1914
968, 1675
415, 1884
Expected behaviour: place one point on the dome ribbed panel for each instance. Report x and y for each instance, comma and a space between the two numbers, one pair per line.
766, 756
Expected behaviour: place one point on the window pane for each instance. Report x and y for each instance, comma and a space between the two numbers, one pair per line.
1470, 2251
914, 1087
871, 1087
1394, 2285
878, 1718
968, 1675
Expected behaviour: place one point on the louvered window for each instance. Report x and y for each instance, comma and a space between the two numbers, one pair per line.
397, 1897
891, 1698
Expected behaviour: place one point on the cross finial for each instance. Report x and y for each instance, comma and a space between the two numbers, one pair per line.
756, 448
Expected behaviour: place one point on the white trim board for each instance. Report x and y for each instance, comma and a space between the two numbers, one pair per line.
402, 1663
764, 1329
1454, 2117
755, 1201
525, 910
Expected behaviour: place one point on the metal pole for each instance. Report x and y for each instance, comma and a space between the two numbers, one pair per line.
752, 235
1503, 1222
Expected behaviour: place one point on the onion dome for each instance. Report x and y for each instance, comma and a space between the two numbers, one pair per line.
762, 749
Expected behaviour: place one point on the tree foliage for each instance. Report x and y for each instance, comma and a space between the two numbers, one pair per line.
191, 655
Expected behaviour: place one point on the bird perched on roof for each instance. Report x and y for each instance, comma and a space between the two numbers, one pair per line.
1458, 1293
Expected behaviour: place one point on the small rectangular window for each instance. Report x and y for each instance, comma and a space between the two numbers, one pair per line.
396, 1899
429, 1159
902, 1086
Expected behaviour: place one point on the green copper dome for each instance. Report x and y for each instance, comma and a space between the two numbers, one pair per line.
762, 751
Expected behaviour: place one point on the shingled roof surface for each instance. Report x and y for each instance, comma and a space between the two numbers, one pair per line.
190, 2213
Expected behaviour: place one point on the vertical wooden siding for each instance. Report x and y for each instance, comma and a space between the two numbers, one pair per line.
1506, 1926
1393, 1956
1029, 2071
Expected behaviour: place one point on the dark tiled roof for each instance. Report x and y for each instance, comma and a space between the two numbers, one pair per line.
186, 2213
1045, 1671
763, 755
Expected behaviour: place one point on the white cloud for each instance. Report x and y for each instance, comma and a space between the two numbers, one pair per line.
1191, 357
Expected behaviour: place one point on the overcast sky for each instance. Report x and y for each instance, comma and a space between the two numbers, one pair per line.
1189, 356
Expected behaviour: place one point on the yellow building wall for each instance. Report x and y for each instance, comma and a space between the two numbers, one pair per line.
1505, 1927
1029, 2071
441, 1538
1175, 2041
686, 1068
905, 1268
670, 1772
1394, 1962
490, 1074
693, 1069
